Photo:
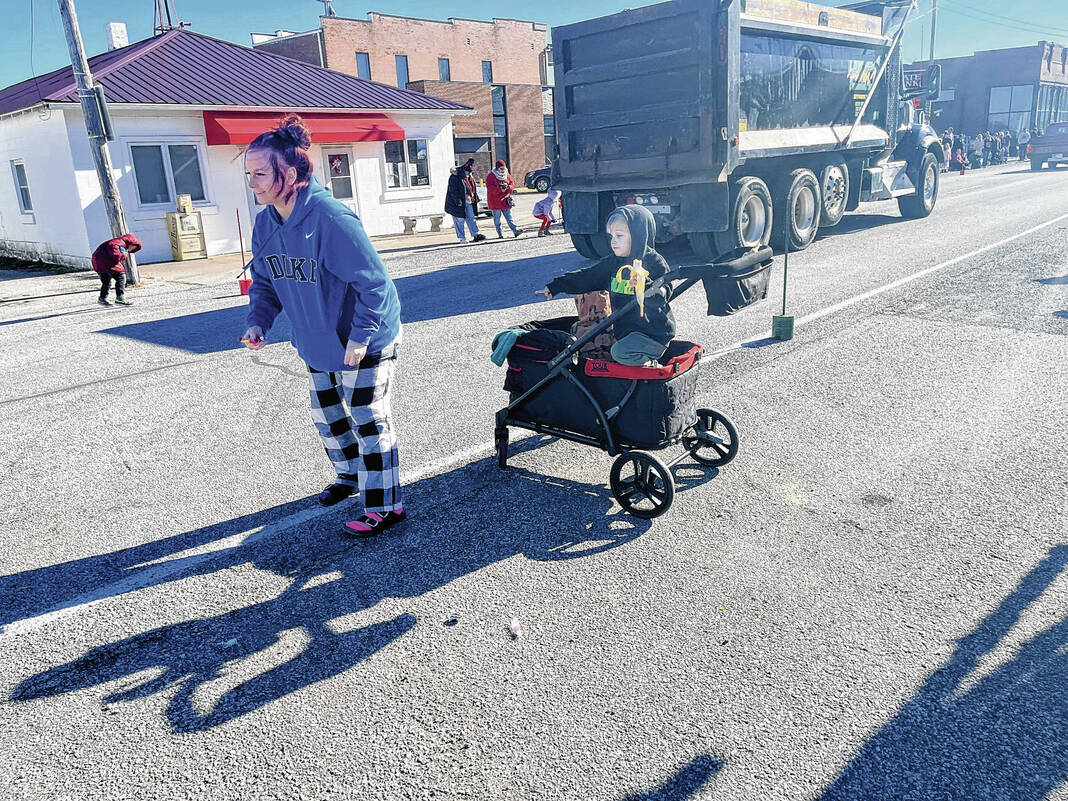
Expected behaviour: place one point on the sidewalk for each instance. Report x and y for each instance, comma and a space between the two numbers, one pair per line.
227, 267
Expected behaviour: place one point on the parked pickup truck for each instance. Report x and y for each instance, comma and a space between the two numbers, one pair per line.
1050, 148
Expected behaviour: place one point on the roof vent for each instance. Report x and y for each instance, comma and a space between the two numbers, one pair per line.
116, 35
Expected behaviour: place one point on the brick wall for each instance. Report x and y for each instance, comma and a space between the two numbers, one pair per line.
526, 131
304, 47
513, 46
475, 95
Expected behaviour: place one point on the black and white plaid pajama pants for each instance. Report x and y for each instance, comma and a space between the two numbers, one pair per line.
360, 440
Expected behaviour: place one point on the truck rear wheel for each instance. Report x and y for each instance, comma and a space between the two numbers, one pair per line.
590, 245
799, 216
834, 193
750, 222
922, 203
1036, 164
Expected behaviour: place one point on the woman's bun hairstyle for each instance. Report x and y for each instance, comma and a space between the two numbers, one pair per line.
287, 146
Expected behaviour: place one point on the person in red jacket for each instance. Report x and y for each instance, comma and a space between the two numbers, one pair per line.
109, 262
500, 189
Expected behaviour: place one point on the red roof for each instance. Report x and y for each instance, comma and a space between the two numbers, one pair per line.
185, 68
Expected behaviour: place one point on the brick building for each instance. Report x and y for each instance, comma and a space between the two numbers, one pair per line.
1013, 88
496, 67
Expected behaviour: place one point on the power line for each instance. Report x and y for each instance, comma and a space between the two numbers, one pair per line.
996, 19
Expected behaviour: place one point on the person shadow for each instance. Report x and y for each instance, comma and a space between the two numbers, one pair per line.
220, 667
976, 730
685, 783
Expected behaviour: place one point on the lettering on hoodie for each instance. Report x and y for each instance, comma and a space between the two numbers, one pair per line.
295, 269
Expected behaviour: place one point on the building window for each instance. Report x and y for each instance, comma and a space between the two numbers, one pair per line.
22, 186
363, 66
550, 138
402, 71
1010, 108
500, 122
444, 73
407, 164
1052, 105
340, 172
487, 72
163, 171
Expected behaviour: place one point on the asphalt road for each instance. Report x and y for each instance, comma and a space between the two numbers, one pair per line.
868, 603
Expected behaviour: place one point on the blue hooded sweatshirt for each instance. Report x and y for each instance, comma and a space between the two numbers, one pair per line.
320, 267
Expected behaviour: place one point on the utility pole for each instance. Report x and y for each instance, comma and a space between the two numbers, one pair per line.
92, 108
934, 25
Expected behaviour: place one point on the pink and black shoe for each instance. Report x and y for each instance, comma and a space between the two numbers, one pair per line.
371, 523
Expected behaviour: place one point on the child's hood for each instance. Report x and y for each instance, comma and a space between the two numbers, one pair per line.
642, 227
552, 194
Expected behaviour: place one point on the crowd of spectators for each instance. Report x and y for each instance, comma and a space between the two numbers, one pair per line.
962, 151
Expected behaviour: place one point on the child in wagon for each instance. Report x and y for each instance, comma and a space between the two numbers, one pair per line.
643, 334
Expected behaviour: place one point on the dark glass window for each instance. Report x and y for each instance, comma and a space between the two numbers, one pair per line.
444, 73
487, 72
795, 83
402, 71
22, 186
363, 66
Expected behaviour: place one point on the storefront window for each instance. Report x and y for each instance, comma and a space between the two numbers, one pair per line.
407, 164
793, 83
1010, 108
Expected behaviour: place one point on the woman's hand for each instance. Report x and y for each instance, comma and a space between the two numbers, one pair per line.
253, 338
354, 353
548, 295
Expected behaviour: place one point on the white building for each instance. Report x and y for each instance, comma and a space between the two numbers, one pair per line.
182, 106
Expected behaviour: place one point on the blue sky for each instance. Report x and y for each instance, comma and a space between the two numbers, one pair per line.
963, 25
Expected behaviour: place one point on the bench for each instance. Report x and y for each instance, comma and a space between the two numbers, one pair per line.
410, 220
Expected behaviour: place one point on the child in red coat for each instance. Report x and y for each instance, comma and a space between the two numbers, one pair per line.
109, 262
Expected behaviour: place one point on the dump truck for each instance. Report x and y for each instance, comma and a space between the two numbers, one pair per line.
739, 123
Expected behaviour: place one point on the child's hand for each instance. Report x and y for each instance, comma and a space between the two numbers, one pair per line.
548, 295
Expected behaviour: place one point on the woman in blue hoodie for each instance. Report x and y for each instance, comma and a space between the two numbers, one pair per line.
312, 259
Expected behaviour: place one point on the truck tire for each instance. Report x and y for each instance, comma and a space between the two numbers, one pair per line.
922, 203
1036, 164
590, 246
751, 217
834, 193
704, 246
798, 216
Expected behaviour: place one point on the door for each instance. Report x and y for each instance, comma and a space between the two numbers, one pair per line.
341, 182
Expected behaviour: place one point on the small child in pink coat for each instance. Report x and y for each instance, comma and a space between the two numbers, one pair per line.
543, 210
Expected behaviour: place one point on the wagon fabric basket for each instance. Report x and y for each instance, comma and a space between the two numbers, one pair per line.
658, 403
731, 286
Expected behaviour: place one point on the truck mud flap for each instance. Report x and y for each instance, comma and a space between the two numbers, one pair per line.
705, 207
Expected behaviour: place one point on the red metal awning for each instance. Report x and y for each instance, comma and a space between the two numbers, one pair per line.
241, 127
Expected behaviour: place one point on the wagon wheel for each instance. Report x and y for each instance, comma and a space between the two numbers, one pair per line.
642, 484
714, 440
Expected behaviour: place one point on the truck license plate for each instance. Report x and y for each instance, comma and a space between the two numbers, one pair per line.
659, 209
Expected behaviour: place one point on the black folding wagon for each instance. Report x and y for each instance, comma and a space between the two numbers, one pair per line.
629, 411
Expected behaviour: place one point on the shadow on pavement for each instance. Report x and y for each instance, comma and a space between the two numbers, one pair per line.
977, 730
94, 308
852, 223
685, 783
460, 289
218, 668
482, 286
204, 332
1060, 279
1061, 314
